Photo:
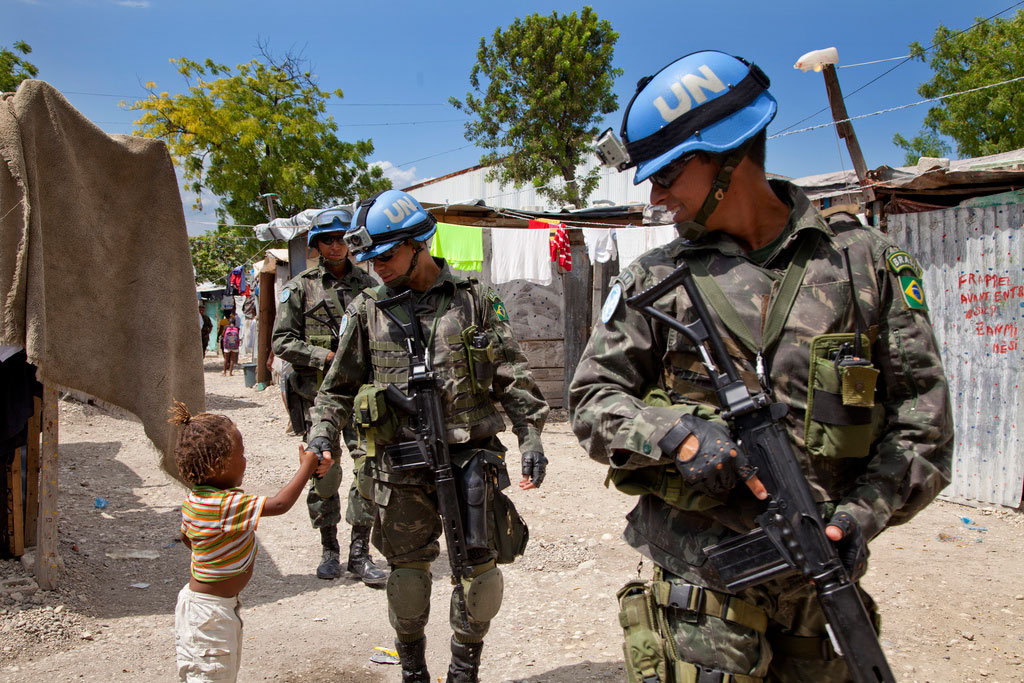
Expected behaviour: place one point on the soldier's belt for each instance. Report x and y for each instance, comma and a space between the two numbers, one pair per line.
699, 600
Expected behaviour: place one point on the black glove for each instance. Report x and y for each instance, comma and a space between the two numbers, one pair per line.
535, 466
718, 465
319, 444
852, 548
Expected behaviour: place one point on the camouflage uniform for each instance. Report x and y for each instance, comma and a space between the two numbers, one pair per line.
305, 343
882, 472
373, 350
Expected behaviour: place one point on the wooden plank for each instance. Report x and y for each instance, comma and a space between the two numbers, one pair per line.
548, 374
544, 354
48, 562
577, 287
32, 489
16, 521
266, 325
552, 391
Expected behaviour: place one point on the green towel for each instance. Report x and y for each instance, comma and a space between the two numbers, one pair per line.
461, 245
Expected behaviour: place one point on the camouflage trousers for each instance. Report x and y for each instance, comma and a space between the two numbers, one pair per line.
406, 532
793, 646
324, 502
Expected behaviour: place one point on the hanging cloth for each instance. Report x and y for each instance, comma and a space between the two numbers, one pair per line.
462, 246
520, 255
600, 244
634, 241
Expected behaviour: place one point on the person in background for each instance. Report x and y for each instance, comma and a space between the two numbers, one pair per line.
229, 338
207, 327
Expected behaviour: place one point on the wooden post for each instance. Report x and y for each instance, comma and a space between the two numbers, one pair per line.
577, 291
845, 129
16, 520
266, 326
32, 490
48, 562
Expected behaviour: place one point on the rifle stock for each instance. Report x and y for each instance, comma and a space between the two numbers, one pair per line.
423, 403
790, 536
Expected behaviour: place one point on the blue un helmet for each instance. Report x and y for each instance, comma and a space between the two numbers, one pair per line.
386, 220
336, 219
706, 101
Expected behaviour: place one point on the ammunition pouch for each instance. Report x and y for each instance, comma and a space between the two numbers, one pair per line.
842, 419
404, 456
472, 482
650, 647
479, 359
373, 415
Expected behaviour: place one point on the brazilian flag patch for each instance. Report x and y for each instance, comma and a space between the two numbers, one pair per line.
900, 260
913, 292
500, 310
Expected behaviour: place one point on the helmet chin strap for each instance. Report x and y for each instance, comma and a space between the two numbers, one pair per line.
334, 263
402, 281
720, 185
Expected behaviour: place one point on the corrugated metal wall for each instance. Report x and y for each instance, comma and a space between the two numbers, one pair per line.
974, 280
615, 187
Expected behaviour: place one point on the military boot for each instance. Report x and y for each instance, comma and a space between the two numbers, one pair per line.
413, 657
330, 563
359, 561
465, 665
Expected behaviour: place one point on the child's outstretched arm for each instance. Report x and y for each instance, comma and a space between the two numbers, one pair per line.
282, 502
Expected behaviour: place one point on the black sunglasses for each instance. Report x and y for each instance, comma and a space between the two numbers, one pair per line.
665, 176
387, 255
331, 239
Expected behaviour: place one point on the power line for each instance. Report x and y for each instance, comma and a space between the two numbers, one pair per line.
329, 104
398, 123
890, 109
905, 60
406, 163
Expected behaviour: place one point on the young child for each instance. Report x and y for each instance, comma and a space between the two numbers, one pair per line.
218, 522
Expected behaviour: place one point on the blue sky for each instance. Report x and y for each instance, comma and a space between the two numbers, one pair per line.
398, 62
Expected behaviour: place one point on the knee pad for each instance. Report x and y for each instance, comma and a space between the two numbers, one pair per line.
408, 592
483, 594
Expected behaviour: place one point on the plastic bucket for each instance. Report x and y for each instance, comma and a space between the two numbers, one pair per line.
250, 374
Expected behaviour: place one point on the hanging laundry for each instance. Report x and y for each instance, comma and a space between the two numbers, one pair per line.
520, 255
634, 241
461, 245
558, 245
600, 244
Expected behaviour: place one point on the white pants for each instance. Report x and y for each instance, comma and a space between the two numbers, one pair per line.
207, 637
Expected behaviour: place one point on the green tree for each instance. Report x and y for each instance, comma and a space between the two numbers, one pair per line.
218, 251
987, 121
924, 144
548, 83
259, 129
15, 69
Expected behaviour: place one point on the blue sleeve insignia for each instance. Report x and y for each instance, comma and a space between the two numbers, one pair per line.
285, 293
611, 303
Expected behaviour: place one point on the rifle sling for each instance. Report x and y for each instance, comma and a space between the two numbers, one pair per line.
780, 306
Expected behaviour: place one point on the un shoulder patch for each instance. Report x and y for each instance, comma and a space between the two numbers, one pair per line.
343, 325
500, 310
611, 303
285, 294
913, 292
901, 260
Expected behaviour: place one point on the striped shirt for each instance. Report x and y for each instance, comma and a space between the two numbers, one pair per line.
221, 525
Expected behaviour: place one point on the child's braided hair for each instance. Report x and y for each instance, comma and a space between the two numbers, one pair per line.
204, 442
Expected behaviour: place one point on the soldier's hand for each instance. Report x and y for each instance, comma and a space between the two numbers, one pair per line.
535, 466
321, 446
711, 462
330, 357
851, 545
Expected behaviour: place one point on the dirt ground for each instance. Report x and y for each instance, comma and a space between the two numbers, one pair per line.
949, 583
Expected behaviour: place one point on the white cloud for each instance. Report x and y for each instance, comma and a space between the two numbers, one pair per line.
400, 177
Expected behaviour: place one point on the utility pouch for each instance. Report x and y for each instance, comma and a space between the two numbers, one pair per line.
472, 482
374, 415
404, 456
510, 531
842, 416
479, 358
646, 658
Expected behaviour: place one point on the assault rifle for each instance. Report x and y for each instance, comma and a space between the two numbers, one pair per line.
430, 449
790, 536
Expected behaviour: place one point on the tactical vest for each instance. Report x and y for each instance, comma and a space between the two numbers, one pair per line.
465, 369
